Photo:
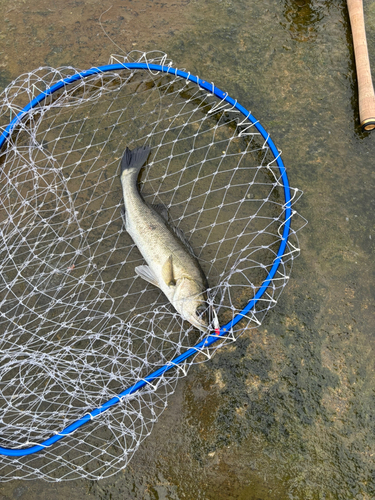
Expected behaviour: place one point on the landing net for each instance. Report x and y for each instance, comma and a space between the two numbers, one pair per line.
89, 351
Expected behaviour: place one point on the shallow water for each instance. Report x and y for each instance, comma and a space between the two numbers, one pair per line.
287, 411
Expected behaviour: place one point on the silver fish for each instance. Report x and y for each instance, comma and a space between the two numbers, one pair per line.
171, 264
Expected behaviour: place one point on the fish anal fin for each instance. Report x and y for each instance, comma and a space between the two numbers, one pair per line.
123, 215
167, 272
146, 273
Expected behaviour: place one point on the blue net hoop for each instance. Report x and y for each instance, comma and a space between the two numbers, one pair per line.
225, 329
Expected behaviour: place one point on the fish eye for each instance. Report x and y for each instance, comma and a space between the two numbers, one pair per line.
200, 311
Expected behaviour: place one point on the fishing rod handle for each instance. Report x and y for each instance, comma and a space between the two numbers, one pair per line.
366, 96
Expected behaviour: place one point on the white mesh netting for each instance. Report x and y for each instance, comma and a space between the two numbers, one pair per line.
77, 325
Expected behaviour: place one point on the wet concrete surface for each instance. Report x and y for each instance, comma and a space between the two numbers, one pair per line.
288, 410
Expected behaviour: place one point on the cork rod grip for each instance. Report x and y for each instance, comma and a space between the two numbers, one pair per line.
366, 95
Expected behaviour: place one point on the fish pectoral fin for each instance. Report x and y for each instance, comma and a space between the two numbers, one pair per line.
167, 272
146, 273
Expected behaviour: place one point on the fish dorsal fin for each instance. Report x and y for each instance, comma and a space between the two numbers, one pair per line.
167, 272
181, 236
146, 273
161, 210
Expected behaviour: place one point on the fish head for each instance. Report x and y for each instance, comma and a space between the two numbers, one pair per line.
190, 300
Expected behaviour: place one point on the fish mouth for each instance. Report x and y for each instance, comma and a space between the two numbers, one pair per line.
203, 327
211, 325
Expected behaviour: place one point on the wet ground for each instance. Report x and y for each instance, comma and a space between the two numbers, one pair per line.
287, 411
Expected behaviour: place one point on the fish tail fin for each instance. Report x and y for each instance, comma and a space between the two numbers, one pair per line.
133, 160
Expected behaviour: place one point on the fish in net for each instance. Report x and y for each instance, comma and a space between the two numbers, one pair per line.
89, 351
